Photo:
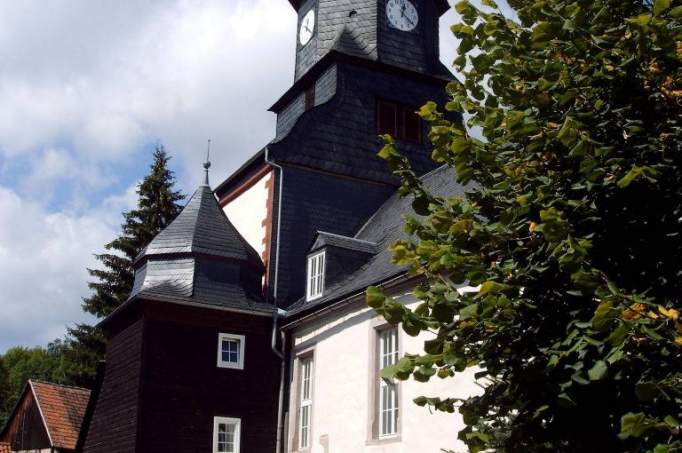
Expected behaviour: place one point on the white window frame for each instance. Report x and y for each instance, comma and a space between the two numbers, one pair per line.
317, 264
236, 422
306, 367
388, 402
242, 346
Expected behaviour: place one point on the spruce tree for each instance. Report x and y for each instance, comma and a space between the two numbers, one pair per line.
157, 207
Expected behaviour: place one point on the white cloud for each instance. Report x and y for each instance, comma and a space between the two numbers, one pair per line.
43, 261
108, 79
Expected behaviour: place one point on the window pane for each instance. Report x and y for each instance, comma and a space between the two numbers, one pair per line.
386, 118
305, 412
315, 274
230, 350
411, 125
388, 394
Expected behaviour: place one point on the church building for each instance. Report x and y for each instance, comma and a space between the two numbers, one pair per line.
247, 329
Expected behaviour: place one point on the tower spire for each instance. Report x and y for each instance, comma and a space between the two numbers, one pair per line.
207, 164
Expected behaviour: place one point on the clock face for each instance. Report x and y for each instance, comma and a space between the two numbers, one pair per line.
402, 14
307, 28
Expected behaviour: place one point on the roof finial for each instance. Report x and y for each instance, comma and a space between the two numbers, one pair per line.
207, 164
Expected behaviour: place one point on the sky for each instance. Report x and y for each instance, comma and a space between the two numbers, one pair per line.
88, 90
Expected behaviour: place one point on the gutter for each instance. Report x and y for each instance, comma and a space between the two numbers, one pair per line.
278, 312
324, 309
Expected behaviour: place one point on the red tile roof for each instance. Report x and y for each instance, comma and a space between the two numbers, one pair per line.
62, 409
4, 448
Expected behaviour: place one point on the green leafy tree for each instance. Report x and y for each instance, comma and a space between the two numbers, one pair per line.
20, 364
4, 392
572, 232
158, 205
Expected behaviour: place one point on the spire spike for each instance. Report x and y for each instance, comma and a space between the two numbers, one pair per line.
207, 164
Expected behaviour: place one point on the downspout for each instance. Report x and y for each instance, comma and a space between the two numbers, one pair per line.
278, 312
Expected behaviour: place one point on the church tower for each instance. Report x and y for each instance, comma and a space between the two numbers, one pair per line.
362, 69
189, 365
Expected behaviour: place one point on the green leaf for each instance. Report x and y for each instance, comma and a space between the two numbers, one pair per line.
542, 32
676, 12
374, 297
424, 373
635, 425
388, 372
635, 173
603, 315
660, 6
642, 20
468, 312
598, 371
568, 134
671, 421
491, 287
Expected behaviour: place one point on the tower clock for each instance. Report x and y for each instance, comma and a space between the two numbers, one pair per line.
402, 15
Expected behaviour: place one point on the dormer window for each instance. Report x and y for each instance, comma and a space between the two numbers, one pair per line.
315, 274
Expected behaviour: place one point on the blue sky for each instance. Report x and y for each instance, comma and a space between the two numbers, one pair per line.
88, 90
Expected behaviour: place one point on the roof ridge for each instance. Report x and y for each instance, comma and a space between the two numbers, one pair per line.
347, 237
40, 411
72, 387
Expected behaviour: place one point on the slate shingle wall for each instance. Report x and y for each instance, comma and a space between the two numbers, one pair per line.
341, 136
113, 428
184, 389
306, 56
333, 16
325, 89
314, 201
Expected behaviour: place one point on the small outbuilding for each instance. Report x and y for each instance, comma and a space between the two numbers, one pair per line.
47, 418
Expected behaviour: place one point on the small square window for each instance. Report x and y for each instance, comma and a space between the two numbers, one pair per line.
315, 283
231, 351
399, 121
226, 435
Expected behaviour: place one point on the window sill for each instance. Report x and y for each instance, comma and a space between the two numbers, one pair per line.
384, 440
225, 366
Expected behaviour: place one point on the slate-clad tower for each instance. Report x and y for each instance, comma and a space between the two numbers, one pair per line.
188, 355
363, 67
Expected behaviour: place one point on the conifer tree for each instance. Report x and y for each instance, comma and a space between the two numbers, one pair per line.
157, 207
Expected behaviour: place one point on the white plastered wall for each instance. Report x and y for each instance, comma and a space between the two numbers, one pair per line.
248, 211
343, 347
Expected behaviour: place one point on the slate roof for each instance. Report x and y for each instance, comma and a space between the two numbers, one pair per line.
62, 409
202, 228
200, 259
336, 240
384, 228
